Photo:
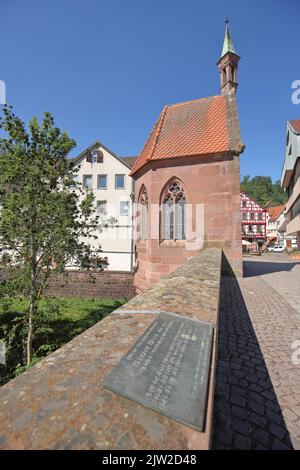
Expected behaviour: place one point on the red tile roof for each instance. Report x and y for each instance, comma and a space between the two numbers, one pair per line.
191, 128
274, 212
295, 125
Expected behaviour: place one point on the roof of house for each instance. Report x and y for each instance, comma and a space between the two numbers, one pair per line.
274, 212
295, 124
243, 194
192, 128
129, 161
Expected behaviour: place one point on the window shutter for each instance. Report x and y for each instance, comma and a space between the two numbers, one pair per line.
100, 156
89, 157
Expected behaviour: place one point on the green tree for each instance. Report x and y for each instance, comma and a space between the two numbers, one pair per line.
263, 190
43, 223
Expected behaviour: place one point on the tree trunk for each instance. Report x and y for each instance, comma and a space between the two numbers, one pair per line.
32, 310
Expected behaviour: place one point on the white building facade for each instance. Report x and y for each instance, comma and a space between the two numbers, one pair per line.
107, 175
290, 178
276, 228
275, 218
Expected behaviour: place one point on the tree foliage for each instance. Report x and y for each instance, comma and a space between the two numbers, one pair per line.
43, 223
57, 321
263, 190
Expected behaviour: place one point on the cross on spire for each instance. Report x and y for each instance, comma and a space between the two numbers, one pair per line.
228, 44
228, 63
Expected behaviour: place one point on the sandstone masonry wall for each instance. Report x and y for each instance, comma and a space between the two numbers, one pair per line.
60, 403
107, 284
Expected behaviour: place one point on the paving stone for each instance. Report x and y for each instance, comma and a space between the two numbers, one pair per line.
290, 415
243, 383
239, 412
278, 431
257, 419
256, 330
252, 378
241, 426
222, 388
233, 380
224, 437
223, 406
262, 437
254, 406
237, 400
242, 442
272, 406
238, 391
264, 384
256, 397
274, 417
268, 395
260, 447
255, 388
279, 445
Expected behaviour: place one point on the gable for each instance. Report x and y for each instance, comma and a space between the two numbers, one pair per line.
105, 152
191, 128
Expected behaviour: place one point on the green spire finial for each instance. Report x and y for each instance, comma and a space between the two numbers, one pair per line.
228, 44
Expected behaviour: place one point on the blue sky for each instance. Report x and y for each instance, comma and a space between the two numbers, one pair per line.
105, 69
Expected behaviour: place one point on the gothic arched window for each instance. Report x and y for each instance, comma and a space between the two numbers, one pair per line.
173, 212
224, 76
143, 214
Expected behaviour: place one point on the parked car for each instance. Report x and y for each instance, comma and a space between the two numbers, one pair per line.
276, 249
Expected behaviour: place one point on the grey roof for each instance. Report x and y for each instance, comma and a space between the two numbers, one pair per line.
129, 161
98, 143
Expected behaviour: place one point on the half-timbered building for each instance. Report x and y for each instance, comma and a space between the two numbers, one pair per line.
254, 220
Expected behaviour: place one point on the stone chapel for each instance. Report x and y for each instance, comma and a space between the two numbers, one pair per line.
187, 180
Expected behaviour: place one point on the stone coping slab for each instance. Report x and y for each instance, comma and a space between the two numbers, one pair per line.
192, 290
60, 403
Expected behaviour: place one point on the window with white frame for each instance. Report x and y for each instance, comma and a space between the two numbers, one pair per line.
120, 181
87, 181
124, 207
174, 212
102, 207
74, 181
102, 181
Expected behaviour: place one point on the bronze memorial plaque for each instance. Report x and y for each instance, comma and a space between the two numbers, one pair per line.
168, 369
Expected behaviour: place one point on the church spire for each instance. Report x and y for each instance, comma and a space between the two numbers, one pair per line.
228, 64
228, 44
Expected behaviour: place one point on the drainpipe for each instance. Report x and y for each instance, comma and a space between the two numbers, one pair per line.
132, 195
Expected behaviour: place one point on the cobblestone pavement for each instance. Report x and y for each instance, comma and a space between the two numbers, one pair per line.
281, 272
257, 399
